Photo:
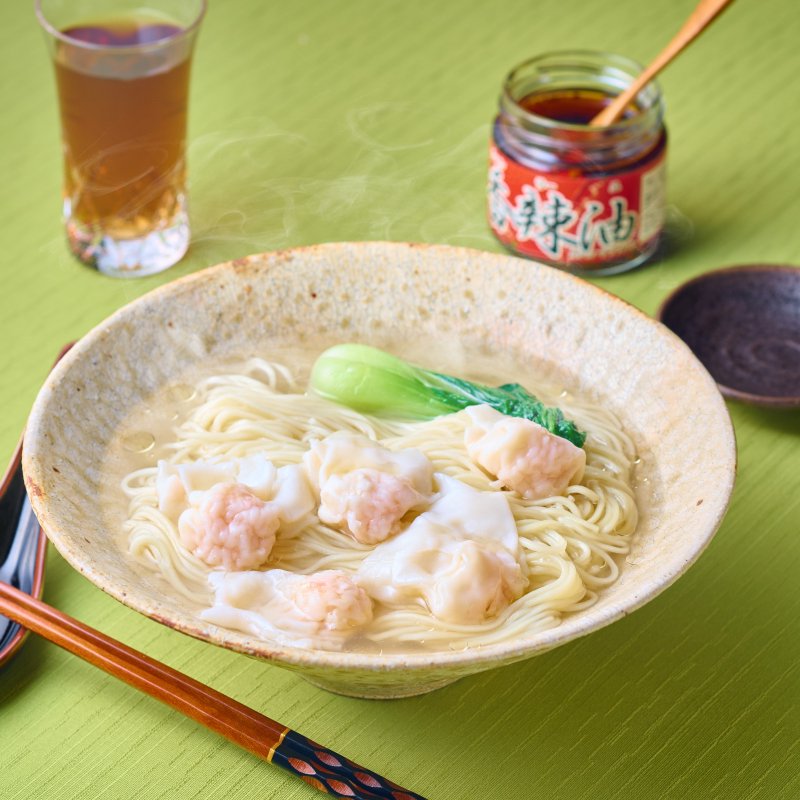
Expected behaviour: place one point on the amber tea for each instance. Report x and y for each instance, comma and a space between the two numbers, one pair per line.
123, 83
123, 135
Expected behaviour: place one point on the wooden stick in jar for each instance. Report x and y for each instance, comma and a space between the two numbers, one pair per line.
703, 15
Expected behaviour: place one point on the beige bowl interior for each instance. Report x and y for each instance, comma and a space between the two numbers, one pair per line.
387, 294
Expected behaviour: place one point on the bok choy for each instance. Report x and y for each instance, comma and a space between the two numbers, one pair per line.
371, 380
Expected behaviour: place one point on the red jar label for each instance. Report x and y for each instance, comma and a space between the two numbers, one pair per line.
572, 219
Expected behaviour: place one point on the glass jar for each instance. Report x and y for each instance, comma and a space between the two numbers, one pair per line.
560, 191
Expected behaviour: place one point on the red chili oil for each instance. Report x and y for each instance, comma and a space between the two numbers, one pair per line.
572, 106
565, 192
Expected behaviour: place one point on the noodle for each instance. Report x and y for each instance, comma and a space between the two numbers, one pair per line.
568, 543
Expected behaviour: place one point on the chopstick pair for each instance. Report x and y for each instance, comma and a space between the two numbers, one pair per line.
316, 765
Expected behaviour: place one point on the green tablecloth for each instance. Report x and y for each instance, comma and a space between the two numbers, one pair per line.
369, 119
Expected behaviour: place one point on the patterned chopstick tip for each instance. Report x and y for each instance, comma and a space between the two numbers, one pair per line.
334, 774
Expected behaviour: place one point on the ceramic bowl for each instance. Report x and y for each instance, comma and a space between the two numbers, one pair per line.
565, 329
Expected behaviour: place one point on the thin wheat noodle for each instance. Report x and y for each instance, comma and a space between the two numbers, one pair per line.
569, 544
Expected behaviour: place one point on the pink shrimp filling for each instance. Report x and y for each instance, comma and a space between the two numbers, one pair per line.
230, 527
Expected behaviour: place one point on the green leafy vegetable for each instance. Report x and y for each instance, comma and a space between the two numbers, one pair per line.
368, 379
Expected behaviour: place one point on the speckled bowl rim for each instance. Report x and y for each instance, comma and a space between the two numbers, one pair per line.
766, 400
483, 657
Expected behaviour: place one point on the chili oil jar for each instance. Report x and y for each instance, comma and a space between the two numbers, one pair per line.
560, 191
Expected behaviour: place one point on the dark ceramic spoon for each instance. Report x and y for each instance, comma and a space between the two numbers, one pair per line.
23, 547
743, 323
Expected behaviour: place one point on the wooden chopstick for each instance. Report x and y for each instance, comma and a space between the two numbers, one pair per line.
316, 765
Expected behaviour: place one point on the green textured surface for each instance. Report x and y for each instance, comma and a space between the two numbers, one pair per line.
368, 119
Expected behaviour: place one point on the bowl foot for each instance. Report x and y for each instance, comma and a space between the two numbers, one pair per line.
377, 690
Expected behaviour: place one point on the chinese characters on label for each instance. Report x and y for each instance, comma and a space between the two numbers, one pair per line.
569, 219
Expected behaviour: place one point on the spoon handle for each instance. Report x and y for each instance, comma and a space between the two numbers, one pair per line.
702, 16
318, 766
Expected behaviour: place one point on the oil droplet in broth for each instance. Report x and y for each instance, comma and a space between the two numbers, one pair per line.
181, 393
138, 442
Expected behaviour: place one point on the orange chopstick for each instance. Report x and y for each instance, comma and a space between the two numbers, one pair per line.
316, 765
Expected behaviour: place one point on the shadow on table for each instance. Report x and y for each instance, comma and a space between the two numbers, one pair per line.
782, 420
686, 698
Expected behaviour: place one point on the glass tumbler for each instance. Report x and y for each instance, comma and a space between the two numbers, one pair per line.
122, 75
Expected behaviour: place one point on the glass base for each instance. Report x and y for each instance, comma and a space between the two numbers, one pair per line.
129, 257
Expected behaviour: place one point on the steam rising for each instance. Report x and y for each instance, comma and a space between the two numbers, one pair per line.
280, 189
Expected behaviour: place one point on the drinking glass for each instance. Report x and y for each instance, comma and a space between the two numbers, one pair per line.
122, 74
